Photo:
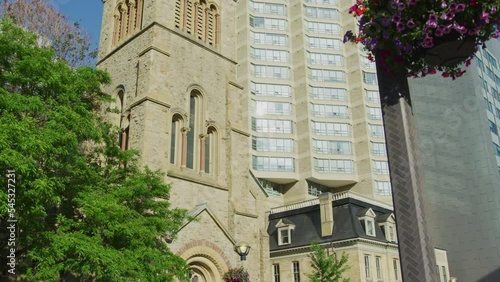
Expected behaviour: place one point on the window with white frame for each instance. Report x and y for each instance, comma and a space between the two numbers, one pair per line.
276, 272
395, 267
333, 166
265, 144
374, 113
326, 59
331, 111
268, 8
330, 2
373, 96
378, 149
445, 275
380, 167
367, 218
270, 71
376, 130
285, 228
370, 78
378, 266
367, 267
327, 75
331, 128
322, 13
269, 55
388, 226
272, 108
260, 38
296, 271
332, 147
268, 23
323, 28
328, 93
271, 90
273, 164
324, 43
272, 125
383, 188
392, 233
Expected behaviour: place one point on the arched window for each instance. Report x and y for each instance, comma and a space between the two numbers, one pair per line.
176, 139
118, 119
195, 118
201, 10
128, 19
211, 25
199, 18
210, 160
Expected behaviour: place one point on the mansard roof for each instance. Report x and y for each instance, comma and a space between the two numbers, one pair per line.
347, 224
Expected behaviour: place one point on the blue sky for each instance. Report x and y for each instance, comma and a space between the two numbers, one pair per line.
87, 12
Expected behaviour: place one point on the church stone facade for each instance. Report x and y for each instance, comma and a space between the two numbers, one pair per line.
181, 106
183, 98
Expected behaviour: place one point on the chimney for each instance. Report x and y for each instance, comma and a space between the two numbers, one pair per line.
326, 210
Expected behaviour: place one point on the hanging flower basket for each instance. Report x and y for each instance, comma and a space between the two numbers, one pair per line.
424, 36
236, 275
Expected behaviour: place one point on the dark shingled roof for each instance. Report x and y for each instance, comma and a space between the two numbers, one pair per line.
307, 223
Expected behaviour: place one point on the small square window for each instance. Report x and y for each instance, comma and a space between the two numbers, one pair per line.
285, 228
284, 236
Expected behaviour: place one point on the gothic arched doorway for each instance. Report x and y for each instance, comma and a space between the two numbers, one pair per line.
203, 270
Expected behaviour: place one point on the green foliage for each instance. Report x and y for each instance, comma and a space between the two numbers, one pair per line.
327, 268
85, 209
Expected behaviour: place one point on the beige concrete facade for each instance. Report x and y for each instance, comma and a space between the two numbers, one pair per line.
356, 251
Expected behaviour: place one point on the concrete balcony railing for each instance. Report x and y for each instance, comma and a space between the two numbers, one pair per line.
336, 197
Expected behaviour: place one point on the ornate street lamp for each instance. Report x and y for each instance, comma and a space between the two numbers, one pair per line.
242, 249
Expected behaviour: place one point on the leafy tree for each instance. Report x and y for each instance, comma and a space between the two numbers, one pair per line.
68, 39
327, 268
84, 208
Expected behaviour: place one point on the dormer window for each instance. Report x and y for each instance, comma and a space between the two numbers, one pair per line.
367, 218
370, 227
285, 228
387, 223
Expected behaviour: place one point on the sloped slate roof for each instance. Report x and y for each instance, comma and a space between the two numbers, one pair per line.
307, 223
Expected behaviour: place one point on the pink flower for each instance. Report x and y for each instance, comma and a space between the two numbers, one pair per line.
485, 16
452, 6
353, 9
460, 7
461, 29
396, 18
400, 26
448, 16
431, 22
410, 24
412, 2
445, 74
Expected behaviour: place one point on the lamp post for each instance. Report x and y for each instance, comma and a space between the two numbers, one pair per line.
242, 249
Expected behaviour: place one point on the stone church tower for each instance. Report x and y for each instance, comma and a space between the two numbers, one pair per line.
173, 69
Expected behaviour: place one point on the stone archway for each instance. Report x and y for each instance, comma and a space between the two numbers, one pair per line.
206, 261
203, 270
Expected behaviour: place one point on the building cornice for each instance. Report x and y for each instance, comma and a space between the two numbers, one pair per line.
341, 243
153, 24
